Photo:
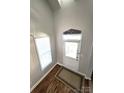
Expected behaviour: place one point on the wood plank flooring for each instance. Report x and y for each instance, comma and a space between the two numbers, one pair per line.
51, 85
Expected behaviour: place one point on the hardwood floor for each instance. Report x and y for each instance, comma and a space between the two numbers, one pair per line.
51, 85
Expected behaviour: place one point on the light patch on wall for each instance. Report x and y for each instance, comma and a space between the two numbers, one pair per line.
44, 51
64, 3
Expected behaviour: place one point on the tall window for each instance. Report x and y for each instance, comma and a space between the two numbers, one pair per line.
44, 51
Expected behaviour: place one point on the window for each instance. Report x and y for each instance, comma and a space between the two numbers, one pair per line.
71, 49
72, 37
44, 51
63, 3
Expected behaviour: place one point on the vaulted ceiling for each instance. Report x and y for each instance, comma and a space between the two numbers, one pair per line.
57, 4
54, 4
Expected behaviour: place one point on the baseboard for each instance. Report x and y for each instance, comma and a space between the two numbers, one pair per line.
42, 77
76, 72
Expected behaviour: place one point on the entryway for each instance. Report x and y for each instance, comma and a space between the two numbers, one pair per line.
71, 49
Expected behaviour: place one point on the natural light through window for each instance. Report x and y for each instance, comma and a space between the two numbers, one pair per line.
65, 2
72, 37
71, 49
44, 51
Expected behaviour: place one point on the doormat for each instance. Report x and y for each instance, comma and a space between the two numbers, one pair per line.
70, 78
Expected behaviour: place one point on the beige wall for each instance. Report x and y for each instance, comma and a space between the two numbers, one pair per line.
78, 16
41, 21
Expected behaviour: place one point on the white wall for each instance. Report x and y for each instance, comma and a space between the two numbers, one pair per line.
41, 21
77, 16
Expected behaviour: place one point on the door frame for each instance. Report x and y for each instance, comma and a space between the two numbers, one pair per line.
80, 45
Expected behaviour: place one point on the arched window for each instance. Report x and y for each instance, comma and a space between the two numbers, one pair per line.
44, 50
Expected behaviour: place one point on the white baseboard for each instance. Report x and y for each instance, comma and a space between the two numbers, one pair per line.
49, 72
42, 77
